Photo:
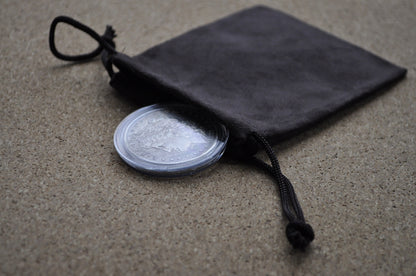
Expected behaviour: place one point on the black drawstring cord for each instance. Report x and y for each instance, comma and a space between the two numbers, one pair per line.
105, 42
298, 232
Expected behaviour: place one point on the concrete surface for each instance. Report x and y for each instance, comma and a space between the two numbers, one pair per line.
70, 206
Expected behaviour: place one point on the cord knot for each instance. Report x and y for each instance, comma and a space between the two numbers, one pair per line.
299, 234
109, 35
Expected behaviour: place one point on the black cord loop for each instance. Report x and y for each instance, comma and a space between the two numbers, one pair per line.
298, 232
105, 42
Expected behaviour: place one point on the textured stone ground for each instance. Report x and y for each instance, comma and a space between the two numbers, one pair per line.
69, 205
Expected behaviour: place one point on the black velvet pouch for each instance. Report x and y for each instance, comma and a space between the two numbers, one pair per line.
264, 74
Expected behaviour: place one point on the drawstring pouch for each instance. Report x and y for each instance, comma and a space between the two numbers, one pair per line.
264, 74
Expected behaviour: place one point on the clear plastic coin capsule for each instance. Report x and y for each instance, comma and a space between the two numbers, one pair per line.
170, 140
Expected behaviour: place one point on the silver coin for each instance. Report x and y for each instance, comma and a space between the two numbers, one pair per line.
170, 140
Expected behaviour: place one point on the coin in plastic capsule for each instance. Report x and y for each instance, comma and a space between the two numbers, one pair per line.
170, 140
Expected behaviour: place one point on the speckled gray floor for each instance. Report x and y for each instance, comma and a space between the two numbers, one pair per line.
69, 205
